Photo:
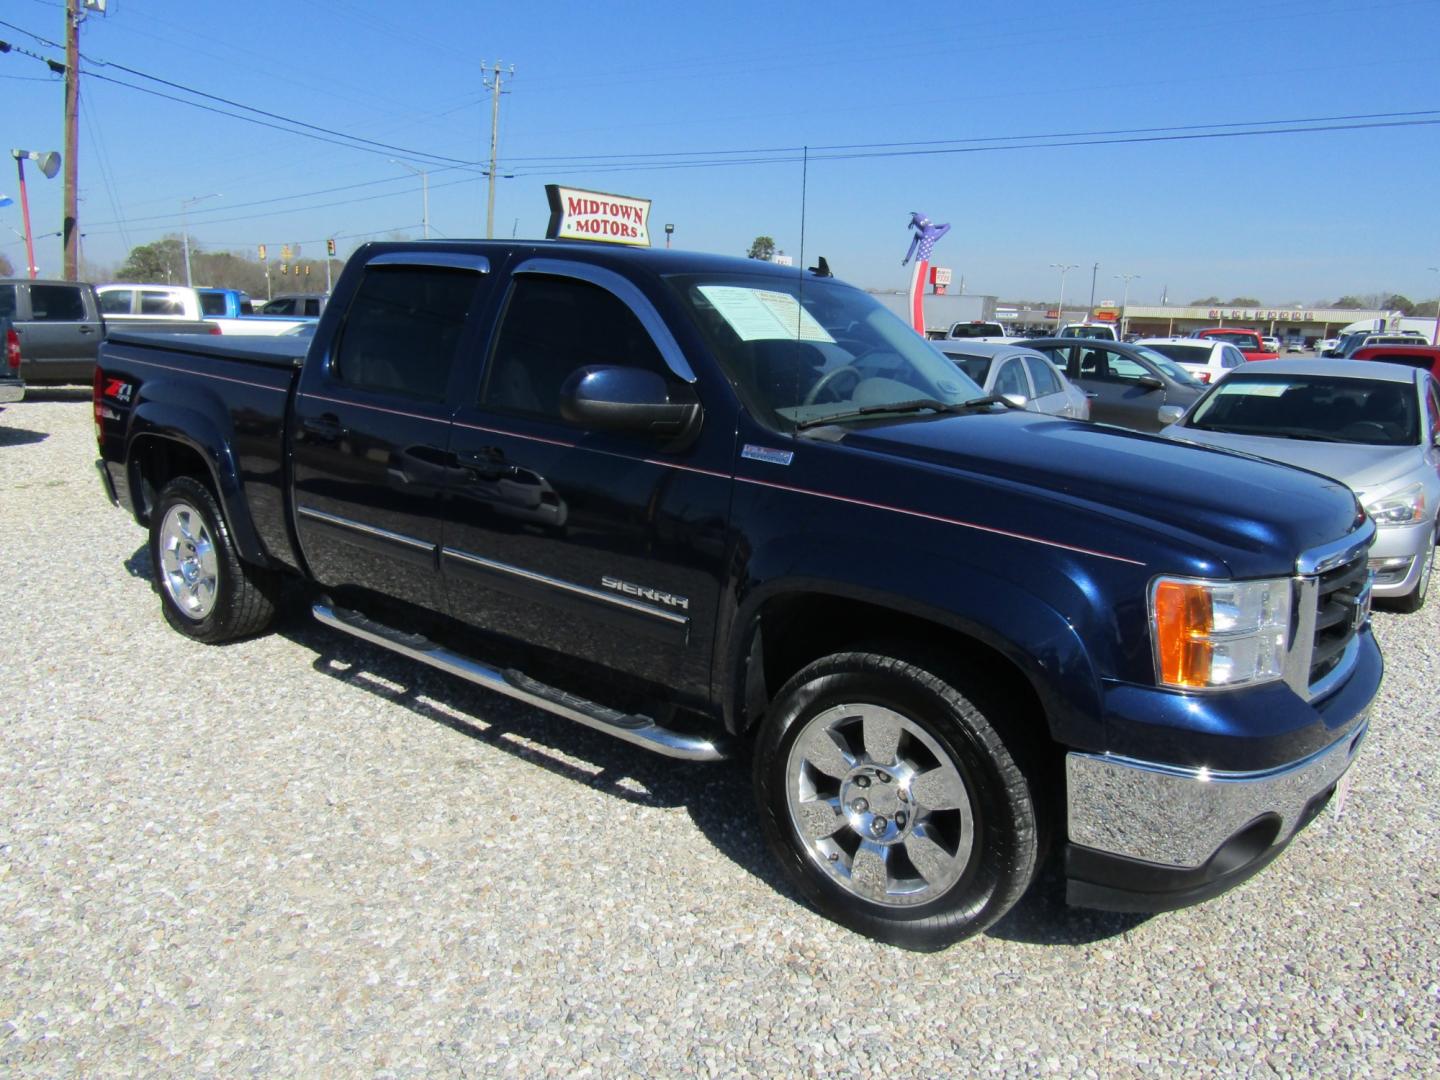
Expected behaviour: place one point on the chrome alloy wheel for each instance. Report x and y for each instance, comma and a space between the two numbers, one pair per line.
879, 805
188, 569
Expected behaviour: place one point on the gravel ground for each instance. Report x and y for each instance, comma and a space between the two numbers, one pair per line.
300, 856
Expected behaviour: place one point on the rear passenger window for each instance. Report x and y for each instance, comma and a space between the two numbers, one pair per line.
56, 303
7, 301
159, 303
403, 328
116, 301
551, 327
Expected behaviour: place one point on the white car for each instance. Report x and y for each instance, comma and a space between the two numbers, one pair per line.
1324, 345
1022, 376
1208, 359
1272, 343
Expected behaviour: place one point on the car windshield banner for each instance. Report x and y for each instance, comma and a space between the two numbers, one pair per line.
595, 215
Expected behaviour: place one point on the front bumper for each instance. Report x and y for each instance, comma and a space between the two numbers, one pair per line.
1395, 558
1145, 836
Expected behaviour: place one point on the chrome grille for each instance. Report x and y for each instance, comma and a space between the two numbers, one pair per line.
1342, 604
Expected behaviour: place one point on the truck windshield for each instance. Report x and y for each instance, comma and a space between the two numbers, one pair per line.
799, 357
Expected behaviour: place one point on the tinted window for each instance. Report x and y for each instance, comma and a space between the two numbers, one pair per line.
116, 301
7, 301
1188, 352
312, 306
212, 303
280, 307
1059, 355
553, 326
56, 303
1043, 376
403, 328
974, 330
159, 303
977, 367
1231, 357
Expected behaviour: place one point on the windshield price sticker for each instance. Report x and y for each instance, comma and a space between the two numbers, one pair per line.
1252, 389
764, 315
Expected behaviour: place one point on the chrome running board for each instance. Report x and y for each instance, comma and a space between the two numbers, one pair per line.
640, 730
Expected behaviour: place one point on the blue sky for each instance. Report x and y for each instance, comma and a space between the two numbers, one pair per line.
646, 98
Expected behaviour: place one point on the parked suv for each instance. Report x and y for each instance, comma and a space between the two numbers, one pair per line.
58, 326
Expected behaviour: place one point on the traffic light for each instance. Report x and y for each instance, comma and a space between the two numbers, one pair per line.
284, 269
330, 248
262, 252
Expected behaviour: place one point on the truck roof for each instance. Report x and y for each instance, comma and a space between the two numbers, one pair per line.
657, 260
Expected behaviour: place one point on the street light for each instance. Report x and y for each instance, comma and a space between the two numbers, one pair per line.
1125, 303
49, 162
1064, 269
669, 232
424, 193
185, 205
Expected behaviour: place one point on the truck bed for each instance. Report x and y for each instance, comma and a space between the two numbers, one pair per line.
270, 351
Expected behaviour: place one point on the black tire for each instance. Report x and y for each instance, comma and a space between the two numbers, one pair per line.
206, 591
936, 874
1414, 600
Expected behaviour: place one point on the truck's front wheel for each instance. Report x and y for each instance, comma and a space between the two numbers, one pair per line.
892, 801
206, 592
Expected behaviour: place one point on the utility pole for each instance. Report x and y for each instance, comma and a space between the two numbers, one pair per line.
69, 230
492, 82
1090, 314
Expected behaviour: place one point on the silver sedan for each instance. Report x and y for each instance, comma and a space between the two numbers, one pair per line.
1022, 376
1375, 427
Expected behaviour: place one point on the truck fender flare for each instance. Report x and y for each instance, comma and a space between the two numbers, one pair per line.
193, 429
1042, 643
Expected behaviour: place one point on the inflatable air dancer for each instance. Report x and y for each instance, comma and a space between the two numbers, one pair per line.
921, 244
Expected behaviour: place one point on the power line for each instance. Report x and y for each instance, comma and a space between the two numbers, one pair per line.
380, 147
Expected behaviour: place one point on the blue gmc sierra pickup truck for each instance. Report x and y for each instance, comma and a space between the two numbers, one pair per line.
714, 506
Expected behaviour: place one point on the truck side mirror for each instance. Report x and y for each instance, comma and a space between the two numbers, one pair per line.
1150, 382
1169, 414
631, 399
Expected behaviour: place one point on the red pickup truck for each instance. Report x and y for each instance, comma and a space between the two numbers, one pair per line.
1247, 341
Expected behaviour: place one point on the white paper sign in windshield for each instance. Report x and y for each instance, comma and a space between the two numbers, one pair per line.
763, 314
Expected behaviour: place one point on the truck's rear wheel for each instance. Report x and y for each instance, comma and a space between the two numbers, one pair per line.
206, 592
892, 802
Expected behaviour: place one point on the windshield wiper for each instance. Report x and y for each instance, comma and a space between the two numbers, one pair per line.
903, 407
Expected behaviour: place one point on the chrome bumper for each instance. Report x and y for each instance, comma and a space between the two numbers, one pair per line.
11, 392
1179, 817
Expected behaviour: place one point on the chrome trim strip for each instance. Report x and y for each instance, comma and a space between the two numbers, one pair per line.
626, 291
1328, 556
444, 260
566, 586
1178, 816
368, 530
639, 730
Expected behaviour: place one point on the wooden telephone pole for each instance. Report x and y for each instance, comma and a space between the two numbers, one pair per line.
69, 230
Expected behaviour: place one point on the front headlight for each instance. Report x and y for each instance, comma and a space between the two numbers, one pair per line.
1404, 507
1211, 635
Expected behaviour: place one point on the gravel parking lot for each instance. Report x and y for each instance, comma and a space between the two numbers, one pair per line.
301, 856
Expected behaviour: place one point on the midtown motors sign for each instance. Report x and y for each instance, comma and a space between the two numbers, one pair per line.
595, 215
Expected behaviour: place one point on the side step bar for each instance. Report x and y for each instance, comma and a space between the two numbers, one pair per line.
640, 730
